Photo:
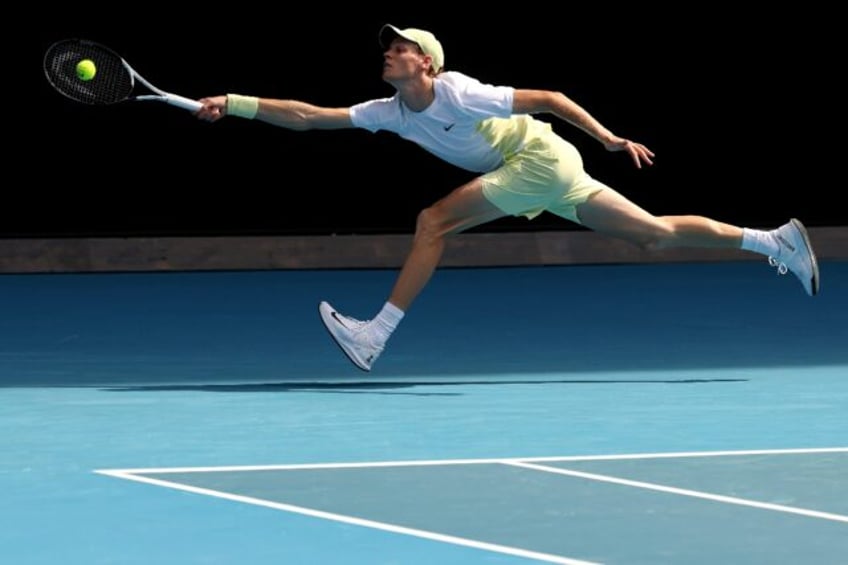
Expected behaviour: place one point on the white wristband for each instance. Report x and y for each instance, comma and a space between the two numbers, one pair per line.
242, 106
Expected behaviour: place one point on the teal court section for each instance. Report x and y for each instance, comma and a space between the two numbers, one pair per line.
557, 378
548, 509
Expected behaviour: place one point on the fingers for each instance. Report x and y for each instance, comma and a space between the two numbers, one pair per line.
211, 114
213, 109
640, 154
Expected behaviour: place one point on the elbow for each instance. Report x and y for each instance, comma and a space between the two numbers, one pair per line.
311, 118
302, 121
559, 100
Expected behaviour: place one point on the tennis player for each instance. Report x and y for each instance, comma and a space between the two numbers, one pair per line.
524, 169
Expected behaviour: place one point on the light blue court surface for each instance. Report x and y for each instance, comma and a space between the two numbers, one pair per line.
618, 414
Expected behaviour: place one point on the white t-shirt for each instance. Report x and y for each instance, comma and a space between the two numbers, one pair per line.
469, 123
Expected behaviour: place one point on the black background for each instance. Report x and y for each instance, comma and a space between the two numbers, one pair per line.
743, 111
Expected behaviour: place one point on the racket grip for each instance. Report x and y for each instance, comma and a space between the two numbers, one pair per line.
184, 103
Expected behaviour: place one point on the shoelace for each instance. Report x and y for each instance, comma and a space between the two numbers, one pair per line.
355, 324
782, 269
362, 336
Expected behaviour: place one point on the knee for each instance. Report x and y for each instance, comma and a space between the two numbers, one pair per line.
658, 236
429, 224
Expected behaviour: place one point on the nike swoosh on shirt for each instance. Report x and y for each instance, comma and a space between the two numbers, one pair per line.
448, 128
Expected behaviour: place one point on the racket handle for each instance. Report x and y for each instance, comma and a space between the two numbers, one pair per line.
184, 103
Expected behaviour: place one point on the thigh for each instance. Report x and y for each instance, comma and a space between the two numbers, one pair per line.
464, 208
610, 213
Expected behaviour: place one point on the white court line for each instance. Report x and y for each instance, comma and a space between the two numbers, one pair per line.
414, 463
527, 462
518, 552
682, 491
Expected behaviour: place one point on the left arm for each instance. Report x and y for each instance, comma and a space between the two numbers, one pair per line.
558, 104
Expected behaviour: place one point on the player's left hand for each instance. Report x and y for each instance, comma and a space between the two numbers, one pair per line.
638, 152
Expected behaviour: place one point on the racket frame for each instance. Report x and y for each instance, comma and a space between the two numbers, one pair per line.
135, 77
160, 95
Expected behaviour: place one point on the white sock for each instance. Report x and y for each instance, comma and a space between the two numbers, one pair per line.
385, 323
759, 241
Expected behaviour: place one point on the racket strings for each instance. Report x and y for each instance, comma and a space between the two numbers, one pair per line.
112, 82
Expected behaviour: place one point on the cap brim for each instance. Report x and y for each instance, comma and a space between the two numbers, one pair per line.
387, 33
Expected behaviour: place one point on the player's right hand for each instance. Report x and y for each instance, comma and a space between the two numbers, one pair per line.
214, 108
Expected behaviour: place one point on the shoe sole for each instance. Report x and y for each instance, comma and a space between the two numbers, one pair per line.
329, 322
814, 264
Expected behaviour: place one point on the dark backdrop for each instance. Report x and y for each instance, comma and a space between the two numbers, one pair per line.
742, 111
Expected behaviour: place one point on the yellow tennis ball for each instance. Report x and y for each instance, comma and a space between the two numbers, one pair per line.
86, 69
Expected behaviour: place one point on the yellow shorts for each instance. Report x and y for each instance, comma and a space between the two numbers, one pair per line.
546, 175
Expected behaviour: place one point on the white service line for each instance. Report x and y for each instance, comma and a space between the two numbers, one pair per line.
680, 491
439, 462
518, 552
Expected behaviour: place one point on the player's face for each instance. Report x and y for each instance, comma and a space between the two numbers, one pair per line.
403, 60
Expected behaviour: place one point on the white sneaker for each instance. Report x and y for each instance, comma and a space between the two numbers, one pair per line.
796, 255
352, 336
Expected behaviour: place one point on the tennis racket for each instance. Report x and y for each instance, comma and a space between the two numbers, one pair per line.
114, 79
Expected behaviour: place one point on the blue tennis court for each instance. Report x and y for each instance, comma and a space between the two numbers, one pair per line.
616, 414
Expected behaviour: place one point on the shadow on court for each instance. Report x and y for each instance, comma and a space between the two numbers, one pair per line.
388, 387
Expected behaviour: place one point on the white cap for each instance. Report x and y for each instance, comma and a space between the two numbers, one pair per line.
424, 39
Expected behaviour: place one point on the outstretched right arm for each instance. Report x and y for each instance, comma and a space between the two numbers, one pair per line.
290, 114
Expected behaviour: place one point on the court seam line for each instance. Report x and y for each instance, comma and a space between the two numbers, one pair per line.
433, 536
430, 462
681, 491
